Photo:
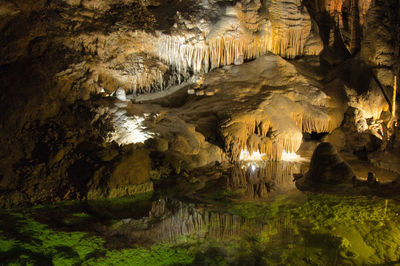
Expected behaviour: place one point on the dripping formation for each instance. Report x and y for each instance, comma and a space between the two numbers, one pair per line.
204, 56
276, 129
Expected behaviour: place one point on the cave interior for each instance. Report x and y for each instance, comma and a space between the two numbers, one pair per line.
199, 132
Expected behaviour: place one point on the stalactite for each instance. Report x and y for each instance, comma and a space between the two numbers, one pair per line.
277, 127
253, 136
154, 80
394, 96
225, 50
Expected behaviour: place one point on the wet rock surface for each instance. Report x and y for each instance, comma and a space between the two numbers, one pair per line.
66, 157
63, 137
327, 167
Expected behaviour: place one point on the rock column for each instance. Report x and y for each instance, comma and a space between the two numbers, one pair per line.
354, 27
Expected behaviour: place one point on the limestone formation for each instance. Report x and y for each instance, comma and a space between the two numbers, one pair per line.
169, 219
195, 83
280, 116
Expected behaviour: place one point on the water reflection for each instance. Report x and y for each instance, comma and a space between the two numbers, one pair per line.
258, 180
171, 220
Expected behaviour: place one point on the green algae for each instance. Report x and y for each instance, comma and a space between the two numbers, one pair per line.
32, 242
73, 248
312, 229
5, 243
156, 255
36, 240
327, 228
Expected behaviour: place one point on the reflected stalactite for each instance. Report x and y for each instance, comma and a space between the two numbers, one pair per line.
189, 219
171, 221
259, 180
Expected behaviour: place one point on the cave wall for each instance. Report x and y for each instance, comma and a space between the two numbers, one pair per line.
57, 55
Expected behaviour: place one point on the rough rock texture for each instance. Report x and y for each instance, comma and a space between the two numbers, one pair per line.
280, 105
66, 158
327, 167
144, 46
352, 26
61, 60
129, 176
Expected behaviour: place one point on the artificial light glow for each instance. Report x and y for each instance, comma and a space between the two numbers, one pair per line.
255, 156
291, 157
130, 129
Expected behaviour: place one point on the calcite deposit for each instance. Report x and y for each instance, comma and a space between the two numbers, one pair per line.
101, 98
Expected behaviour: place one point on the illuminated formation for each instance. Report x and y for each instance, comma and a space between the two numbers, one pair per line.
199, 132
276, 128
226, 50
127, 128
285, 32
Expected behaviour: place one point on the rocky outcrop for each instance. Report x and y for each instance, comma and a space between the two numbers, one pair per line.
279, 114
377, 44
129, 175
67, 158
353, 24
327, 167
55, 54
105, 45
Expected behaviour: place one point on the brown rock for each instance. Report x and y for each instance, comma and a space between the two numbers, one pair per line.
132, 169
327, 167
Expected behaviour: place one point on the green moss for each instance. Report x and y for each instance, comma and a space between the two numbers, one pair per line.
39, 244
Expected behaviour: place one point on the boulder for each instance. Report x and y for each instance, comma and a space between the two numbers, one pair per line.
327, 167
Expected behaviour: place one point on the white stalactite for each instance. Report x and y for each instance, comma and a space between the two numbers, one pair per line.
225, 50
